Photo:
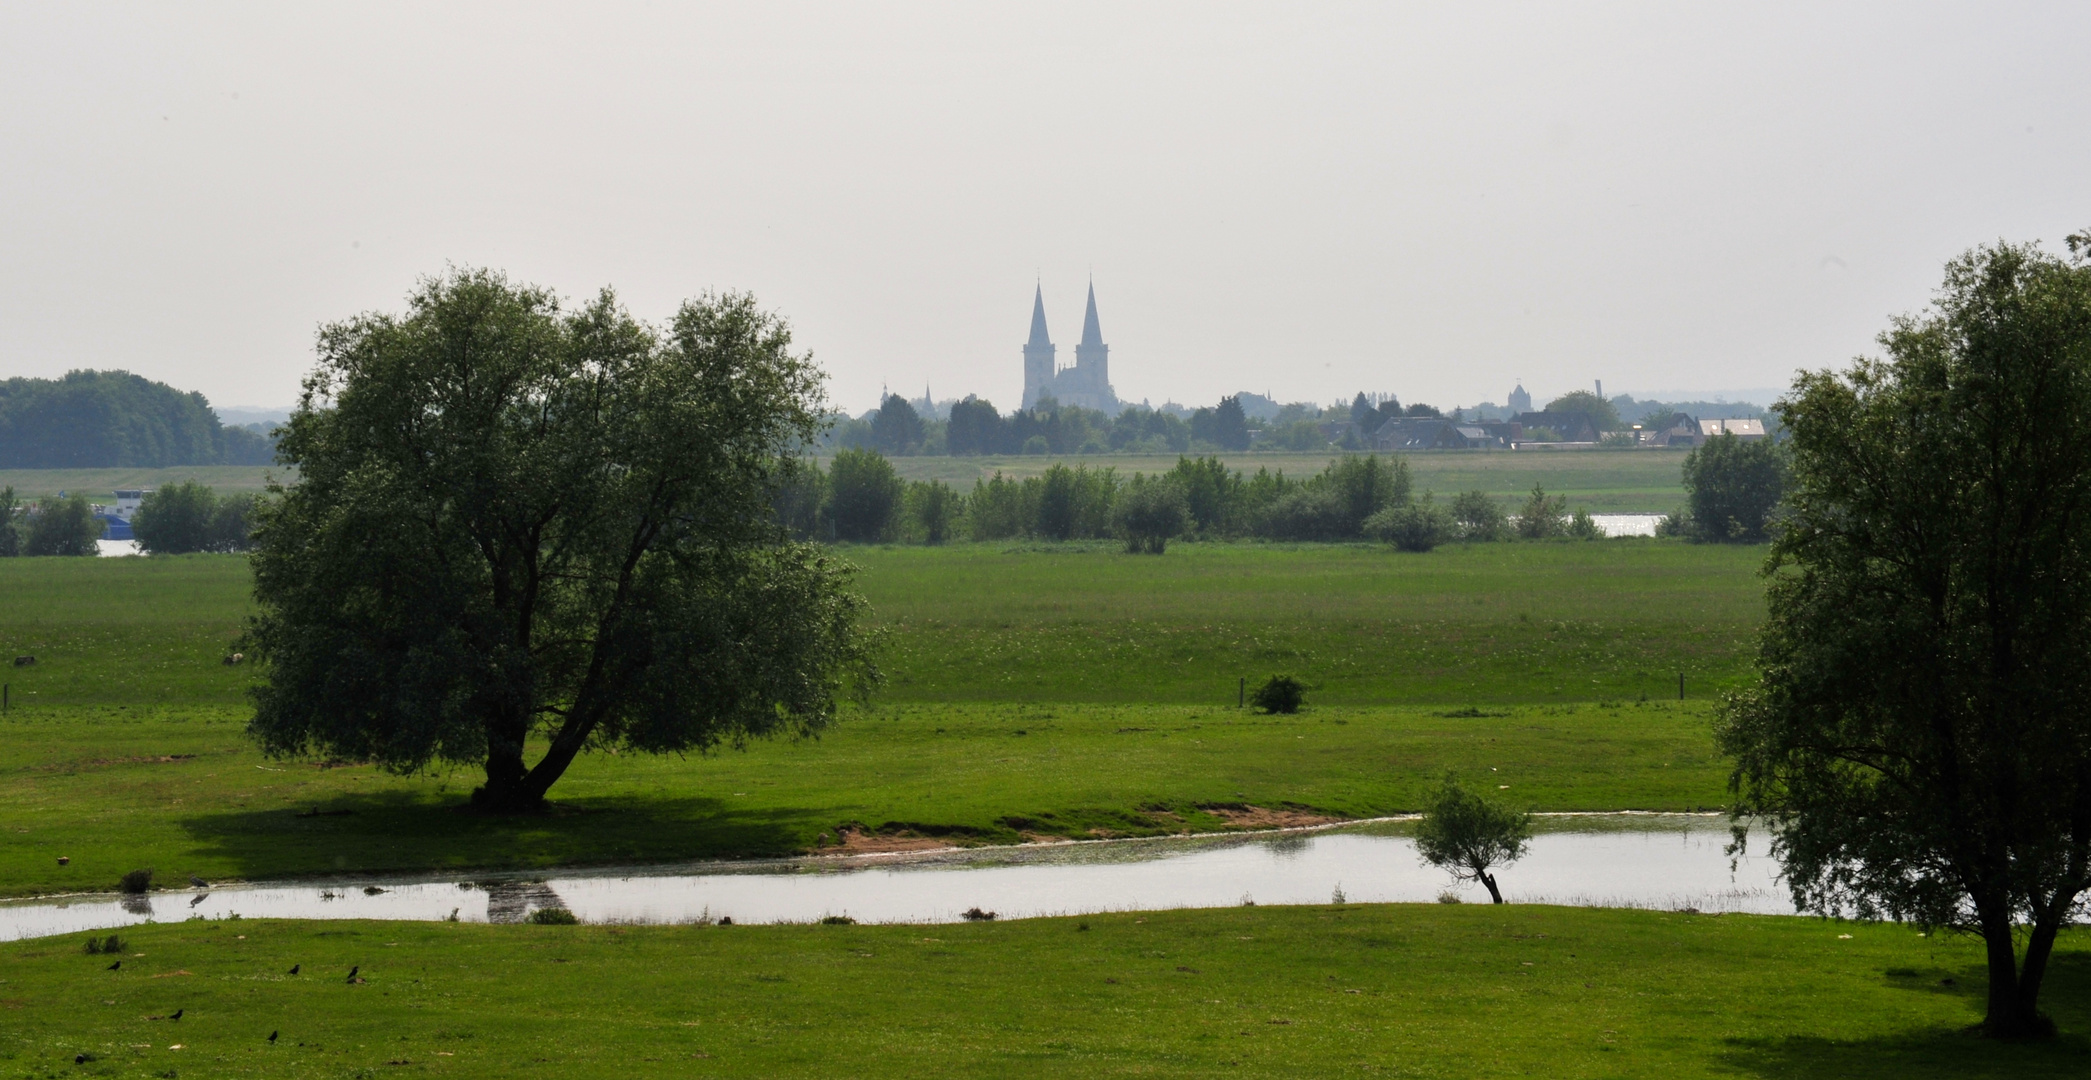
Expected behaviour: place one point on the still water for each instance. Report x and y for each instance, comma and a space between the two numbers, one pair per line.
1658, 861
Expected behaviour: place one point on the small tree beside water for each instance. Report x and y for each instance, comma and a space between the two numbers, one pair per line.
1467, 835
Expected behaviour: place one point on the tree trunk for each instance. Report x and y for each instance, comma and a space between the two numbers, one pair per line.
2013, 1011
505, 791
1489, 880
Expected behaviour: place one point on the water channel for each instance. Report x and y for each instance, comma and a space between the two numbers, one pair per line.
1650, 861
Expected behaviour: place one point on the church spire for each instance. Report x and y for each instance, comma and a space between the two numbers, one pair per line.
1038, 326
1092, 334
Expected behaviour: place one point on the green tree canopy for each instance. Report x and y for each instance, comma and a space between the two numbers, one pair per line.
897, 428
1586, 404
106, 419
64, 526
1917, 734
512, 520
1732, 487
1467, 835
864, 494
1150, 512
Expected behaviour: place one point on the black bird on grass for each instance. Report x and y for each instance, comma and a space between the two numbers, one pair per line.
352, 972
294, 968
114, 966
177, 1014
272, 1036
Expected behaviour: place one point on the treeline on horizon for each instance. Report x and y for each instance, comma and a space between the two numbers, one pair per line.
114, 419
975, 427
861, 499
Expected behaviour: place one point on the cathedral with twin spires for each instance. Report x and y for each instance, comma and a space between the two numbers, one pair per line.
1088, 382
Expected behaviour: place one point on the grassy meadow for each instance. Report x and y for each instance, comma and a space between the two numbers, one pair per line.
1401, 990
98, 484
1062, 690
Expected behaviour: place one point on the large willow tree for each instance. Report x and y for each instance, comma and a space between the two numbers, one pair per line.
1920, 736
514, 522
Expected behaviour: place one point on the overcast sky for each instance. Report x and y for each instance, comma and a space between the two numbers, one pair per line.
1308, 200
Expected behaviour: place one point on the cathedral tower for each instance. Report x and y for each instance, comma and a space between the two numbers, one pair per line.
1038, 352
1092, 356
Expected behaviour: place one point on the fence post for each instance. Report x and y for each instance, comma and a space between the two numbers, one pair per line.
1241, 692
1680, 686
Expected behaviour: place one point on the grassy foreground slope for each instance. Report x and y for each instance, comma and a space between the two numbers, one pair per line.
1401, 990
1466, 624
114, 788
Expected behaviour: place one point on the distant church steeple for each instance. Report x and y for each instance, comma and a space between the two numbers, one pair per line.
1038, 352
1087, 382
1092, 356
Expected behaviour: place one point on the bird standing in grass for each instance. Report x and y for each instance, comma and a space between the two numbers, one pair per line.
114, 966
294, 968
272, 1037
352, 971
177, 1014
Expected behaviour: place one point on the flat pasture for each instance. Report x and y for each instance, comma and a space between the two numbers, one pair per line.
1060, 623
1324, 991
98, 484
1363, 624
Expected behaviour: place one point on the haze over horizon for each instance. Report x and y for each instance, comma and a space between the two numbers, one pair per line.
1306, 200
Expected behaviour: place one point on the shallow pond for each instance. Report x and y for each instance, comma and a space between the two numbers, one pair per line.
1650, 861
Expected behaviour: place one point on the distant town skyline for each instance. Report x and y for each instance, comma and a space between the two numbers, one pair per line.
1305, 199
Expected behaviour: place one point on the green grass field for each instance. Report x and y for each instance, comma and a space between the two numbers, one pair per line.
1383, 990
115, 788
1070, 690
99, 484
1466, 624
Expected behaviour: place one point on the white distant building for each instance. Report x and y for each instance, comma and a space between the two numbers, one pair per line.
1746, 430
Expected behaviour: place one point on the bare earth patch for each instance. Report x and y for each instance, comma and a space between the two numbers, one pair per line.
1257, 817
859, 842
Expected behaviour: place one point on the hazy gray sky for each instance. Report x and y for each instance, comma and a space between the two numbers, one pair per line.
1304, 199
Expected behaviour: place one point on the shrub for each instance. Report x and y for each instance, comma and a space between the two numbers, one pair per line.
10, 538
974, 914
553, 916
863, 494
1279, 694
1148, 513
1734, 487
1418, 526
1541, 517
63, 527
137, 881
1583, 527
933, 507
108, 945
1365, 485
1305, 514
176, 519
837, 920
1479, 516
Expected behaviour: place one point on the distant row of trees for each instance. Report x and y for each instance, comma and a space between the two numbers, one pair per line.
50, 526
174, 520
975, 427
860, 498
114, 419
